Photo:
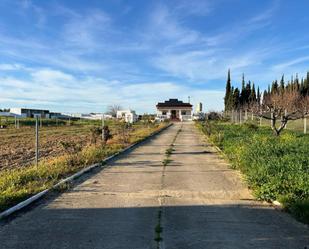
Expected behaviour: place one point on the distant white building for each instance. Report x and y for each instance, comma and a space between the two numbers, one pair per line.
30, 113
9, 114
199, 107
128, 116
91, 116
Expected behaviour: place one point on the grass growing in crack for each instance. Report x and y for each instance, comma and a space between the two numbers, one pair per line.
63, 187
158, 228
166, 161
169, 151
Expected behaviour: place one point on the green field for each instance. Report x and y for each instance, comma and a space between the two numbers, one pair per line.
276, 168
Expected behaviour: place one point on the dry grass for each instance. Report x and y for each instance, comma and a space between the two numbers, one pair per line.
18, 183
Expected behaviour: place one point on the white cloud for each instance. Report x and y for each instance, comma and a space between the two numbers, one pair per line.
285, 65
165, 27
51, 76
63, 92
10, 67
87, 30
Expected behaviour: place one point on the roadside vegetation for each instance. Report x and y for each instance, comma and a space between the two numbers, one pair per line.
275, 167
18, 183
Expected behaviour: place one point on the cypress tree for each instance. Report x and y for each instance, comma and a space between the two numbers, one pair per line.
306, 85
282, 87
228, 93
296, 82
253, 94
248, 93
265, 95
236, 98
243, 91
258, 96
274, 87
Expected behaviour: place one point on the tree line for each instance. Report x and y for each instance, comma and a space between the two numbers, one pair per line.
281, 101
248, 95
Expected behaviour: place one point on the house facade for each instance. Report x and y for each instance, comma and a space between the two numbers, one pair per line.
174, 109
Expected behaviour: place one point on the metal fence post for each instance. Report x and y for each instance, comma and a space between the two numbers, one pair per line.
36, 141
305, 125
261, 121
240, 116
103, 127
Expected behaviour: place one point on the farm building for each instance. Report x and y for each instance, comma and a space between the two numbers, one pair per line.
174, 109
30, 113
127, 115
8, 114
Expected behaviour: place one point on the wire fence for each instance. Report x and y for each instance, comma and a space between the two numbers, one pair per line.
240, 117
22, 142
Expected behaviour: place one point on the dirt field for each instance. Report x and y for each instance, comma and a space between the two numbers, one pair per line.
17, 146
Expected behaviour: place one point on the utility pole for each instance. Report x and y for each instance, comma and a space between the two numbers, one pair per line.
189, 98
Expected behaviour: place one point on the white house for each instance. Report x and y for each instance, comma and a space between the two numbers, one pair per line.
128, 116
174, 109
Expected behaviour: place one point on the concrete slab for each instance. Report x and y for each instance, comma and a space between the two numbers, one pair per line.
204, 204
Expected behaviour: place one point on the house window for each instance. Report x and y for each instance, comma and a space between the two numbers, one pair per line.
164, 113
183, 113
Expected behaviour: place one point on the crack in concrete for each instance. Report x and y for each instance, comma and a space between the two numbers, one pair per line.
162, 195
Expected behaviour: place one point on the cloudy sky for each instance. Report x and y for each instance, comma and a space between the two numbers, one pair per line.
81, 56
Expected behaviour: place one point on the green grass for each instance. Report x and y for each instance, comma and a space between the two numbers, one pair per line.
276, 168
20, 183
166, 161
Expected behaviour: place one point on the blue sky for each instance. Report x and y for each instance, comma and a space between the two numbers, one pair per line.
81, 56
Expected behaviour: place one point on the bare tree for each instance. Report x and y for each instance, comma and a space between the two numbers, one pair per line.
112, 110
280, 107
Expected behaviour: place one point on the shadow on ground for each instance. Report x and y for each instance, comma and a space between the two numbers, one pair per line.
209, 226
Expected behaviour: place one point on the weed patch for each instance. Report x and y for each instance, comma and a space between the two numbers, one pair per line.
276, 168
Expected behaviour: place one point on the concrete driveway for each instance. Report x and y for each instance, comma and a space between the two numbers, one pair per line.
197, 200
